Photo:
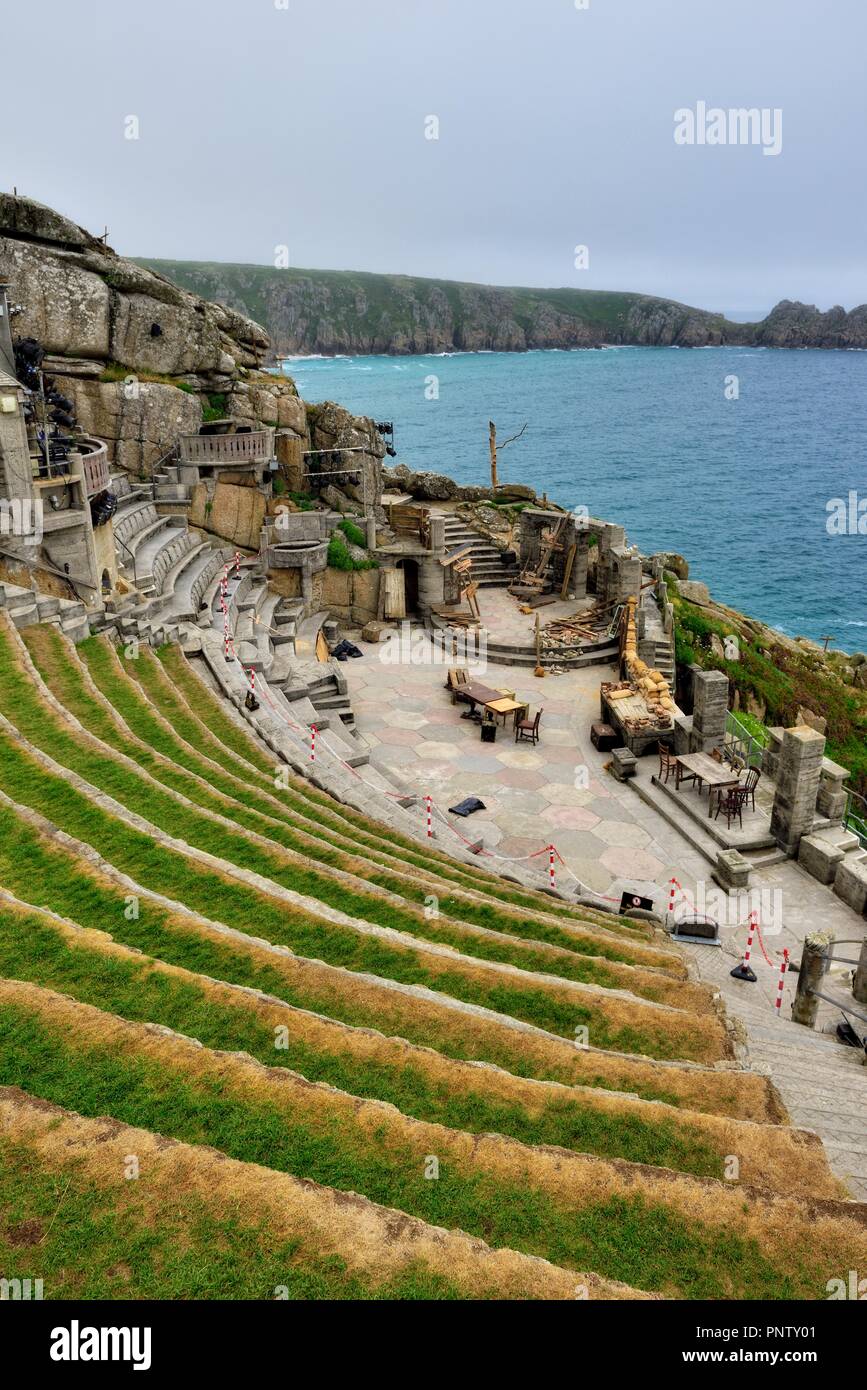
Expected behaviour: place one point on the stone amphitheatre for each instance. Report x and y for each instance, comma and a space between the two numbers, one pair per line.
275, 1021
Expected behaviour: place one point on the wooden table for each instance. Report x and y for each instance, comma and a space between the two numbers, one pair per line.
474, 693
504, 706
706, 769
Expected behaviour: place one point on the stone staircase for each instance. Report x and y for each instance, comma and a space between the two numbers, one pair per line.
25, 607
654, 632
822, 1082
489, 567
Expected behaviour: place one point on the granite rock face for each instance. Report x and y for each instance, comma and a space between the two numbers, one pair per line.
138, 356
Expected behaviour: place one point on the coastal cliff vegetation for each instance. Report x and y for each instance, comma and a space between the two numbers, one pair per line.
357, 312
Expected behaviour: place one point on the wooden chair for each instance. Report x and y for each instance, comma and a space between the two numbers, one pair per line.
454, 678
716, 755
667, 761
731, 800
749, 784
528, 728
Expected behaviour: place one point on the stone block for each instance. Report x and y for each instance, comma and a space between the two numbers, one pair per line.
732, 870
819, 857
623, 764
771, 754
831, 804
850, 882
682, 733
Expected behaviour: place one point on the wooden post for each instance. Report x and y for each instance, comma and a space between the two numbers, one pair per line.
493, 444
570, 561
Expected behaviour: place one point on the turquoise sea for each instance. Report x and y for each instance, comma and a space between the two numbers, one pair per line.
647, 438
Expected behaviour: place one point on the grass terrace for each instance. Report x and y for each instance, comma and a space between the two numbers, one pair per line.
243, 978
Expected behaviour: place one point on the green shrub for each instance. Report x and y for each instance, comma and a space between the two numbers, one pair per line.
353, 533
339, 557
216, 407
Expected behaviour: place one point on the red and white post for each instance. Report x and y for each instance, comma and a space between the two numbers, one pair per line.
672, 894
750, 934
237, 562
313, 743
427, 801
781, 984
252, 678
551, 879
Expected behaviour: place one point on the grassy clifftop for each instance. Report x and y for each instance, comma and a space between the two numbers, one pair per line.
339, 311
331, 311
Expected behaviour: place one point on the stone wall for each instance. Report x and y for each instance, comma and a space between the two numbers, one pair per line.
352, 595
233, 511
535, 522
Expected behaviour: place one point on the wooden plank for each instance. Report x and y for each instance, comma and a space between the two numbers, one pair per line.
395, 593
570, 561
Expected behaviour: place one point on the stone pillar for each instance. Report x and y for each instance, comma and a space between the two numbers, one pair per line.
798, 776
710, 703
859, 984
437, 532
814, 965
370, 528
831, 801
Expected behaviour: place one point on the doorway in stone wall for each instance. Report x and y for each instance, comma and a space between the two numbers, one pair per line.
410, 584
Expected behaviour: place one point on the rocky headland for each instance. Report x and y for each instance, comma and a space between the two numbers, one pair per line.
332, 312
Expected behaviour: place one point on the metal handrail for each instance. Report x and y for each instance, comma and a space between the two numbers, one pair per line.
843, 1007
129, 552
856, 821
745, 742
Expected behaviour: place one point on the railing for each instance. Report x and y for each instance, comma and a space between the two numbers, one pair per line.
211, 449
741, 743
410, 521
855, 818
94, 458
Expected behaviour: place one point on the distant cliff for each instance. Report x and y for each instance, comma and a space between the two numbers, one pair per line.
334, 311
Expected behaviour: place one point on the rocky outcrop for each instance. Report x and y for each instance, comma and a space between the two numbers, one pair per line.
795, 325
139, 357
308, 311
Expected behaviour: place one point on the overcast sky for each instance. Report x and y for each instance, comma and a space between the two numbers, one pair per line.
262, 125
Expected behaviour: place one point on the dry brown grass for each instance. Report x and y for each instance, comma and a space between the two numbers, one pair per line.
443, 1021
375, 1242
772, 1156
699, 1038
782, 1227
